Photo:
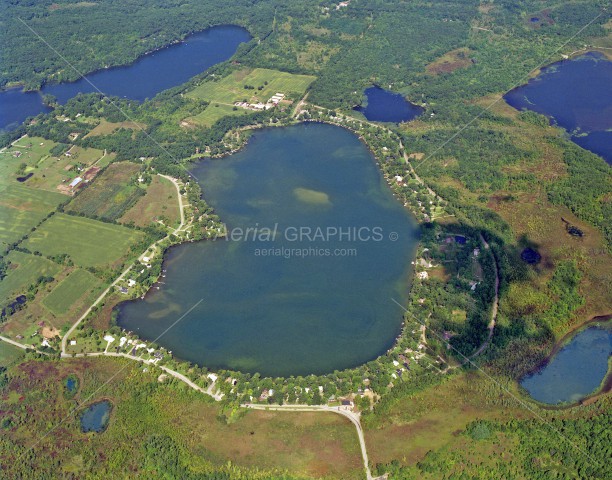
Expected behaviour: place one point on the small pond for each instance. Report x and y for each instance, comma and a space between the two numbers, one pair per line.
576, 370
71, 384
531, 256
384, 106
95, 418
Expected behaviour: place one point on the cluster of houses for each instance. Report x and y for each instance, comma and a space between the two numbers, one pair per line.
274, 100
403, 363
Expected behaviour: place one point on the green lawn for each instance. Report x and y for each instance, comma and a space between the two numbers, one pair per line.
87, 242
231, 89
33, 149
22, 208
70, 290
27, 270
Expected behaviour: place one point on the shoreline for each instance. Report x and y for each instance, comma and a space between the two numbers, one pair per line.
604, 386
51, 80
408, 279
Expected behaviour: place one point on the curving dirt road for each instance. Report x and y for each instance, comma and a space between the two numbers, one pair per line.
352, 416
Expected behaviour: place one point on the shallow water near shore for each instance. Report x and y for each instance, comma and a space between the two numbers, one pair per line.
286, 307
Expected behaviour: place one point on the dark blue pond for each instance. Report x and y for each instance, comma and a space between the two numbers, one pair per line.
71, 384
149, 75
575, 371
576, 95
385, 106
95, 418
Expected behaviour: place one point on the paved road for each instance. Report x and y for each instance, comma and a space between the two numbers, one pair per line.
96, 302
175, 374
125, 272
20, 345
352, 416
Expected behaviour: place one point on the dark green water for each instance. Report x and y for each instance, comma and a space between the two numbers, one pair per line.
287, 314
576, 370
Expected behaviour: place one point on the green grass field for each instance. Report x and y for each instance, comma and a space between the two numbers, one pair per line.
231, 89
70, 290
28, 269
214, 112
48, 171
160, 202
22, 208
33, 149
9, 354
8, 166
110, 194
87, 242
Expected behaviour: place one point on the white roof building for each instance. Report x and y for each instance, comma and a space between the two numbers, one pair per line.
75, 182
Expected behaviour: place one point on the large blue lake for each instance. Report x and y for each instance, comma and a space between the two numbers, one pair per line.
385, 106
576, 370
145, 78
304, 302
577, 95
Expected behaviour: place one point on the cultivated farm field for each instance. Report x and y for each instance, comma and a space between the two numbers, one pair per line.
24, 271
22, 208
262, 84
111, 193
89, 243
71, 289
231, 89
214, 112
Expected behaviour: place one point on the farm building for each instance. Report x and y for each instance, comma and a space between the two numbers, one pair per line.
75, 182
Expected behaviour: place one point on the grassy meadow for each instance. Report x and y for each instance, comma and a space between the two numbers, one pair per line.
10, 354
222, 94
89, 243
301, 444
160, 202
